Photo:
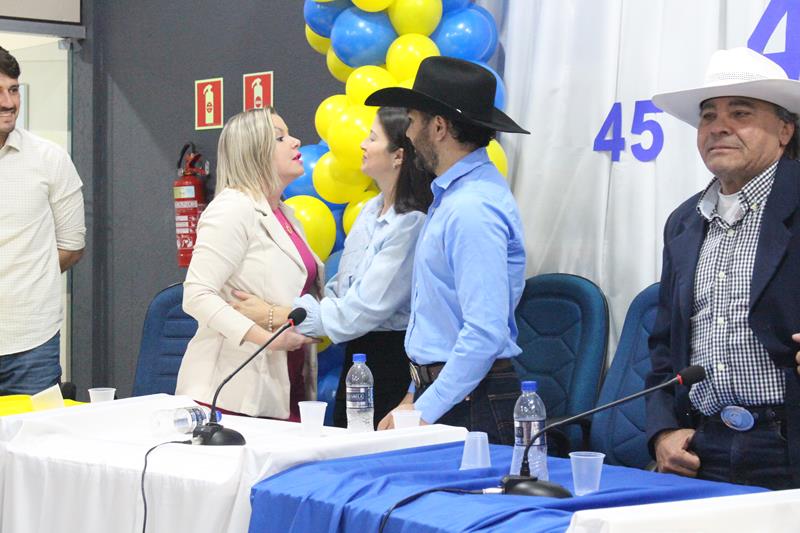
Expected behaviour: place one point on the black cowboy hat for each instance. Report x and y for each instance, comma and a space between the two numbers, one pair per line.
453, 88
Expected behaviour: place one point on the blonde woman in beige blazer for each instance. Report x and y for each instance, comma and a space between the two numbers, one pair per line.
243, 244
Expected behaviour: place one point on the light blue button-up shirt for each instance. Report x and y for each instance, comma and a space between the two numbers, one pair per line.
469, 272
372, 288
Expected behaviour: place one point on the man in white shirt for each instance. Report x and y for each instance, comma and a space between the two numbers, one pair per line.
41, 235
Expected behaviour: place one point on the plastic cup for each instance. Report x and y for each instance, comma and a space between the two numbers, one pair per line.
586, 470
101, 394
404, 418
312, 415
476, 451
47, 399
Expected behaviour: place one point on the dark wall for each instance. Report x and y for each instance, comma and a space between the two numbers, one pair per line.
133, 96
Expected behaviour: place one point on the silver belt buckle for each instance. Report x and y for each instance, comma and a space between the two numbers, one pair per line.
737, 418
414, 375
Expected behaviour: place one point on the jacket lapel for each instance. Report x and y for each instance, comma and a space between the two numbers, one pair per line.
685, 250
774, 236
276, 232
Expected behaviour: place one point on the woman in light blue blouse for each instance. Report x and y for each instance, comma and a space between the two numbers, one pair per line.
366, 303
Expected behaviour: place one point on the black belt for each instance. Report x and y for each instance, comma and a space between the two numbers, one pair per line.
424, 375
744, 418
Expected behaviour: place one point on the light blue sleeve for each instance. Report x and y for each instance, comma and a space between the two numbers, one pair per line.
312, 325
384, 287
476, 241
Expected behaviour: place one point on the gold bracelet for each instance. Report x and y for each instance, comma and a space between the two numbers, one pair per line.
271, 318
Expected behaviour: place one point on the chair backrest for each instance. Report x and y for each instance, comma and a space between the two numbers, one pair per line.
166, 333
563, 333
619, 432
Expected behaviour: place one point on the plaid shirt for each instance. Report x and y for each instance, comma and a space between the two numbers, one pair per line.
739, 369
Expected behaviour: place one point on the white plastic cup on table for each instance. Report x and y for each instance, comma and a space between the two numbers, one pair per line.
404, 418
476, 451
101, 394
49, 398
586, 470
312, 416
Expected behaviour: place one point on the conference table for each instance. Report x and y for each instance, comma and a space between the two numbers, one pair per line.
80, 468
352, 494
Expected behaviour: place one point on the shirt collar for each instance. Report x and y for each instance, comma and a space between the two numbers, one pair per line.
752, 195
14, 140
377, 205
462, 167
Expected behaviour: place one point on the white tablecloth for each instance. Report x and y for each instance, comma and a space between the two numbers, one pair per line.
79, 469
773, 512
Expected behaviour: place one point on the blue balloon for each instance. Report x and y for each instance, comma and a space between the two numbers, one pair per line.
338, 213
332, 265
452, 5
320, 16
303, 185
500, 92
360, 38
469, 34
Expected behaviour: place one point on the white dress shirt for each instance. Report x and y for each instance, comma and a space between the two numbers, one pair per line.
41, 211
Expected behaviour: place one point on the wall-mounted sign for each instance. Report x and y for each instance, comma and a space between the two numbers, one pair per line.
257, 90
208, 104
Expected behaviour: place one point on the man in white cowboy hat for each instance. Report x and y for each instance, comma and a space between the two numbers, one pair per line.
469, 266
730, 286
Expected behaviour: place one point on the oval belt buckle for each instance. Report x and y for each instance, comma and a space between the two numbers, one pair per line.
737, 418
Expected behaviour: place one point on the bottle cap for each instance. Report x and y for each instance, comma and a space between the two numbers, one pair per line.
529, 386
359, 358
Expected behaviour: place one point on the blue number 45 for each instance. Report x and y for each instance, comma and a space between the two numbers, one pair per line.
616, 142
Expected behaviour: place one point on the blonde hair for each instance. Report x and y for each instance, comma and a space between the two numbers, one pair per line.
244, 154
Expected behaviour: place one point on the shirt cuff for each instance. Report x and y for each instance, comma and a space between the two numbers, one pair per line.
432, 408
312, 325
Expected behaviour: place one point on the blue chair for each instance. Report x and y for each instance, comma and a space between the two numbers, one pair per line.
619, 432
563, 333
167, 331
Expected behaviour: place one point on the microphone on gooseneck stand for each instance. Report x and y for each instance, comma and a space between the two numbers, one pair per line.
526, 485
212, 433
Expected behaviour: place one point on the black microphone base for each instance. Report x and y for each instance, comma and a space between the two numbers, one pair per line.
531, 486
213, 434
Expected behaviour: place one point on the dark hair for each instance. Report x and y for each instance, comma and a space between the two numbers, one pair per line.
413, 189
471, 134
8, 64
792, 150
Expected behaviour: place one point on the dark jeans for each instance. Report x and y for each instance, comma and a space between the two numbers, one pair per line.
388, 362
758, 457
488, 408
33, 370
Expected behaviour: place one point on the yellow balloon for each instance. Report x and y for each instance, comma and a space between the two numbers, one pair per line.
372, 5
337, 67
498, 156
349, 176
327, 187
327, 112
366, 80
407, 52
408, 84
347, 131
317, 221
354, 208
317, 42
415, 16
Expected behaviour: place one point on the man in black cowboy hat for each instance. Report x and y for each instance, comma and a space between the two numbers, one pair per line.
469, 266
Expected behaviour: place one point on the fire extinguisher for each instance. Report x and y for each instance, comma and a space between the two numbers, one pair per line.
189, 195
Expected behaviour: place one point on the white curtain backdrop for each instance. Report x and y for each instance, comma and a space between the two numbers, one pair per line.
566, 63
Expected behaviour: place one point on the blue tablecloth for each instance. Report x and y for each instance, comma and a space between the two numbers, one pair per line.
352, 494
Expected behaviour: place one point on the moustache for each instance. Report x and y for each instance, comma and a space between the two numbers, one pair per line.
4, 109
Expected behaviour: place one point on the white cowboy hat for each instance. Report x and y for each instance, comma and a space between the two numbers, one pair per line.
734, 72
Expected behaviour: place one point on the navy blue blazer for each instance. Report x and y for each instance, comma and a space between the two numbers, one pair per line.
774, 303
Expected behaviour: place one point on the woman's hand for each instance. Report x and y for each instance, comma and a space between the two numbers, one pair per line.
258, 310
287, 341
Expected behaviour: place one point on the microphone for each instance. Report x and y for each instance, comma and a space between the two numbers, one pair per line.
212, 433
526, 485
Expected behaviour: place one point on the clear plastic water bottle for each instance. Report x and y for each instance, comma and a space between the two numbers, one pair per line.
529, 417
360, 406
180, 420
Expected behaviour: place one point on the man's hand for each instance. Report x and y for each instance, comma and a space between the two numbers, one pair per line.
673, 455
406, 404
796, 338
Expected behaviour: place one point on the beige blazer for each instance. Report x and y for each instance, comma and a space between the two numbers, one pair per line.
241, 245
